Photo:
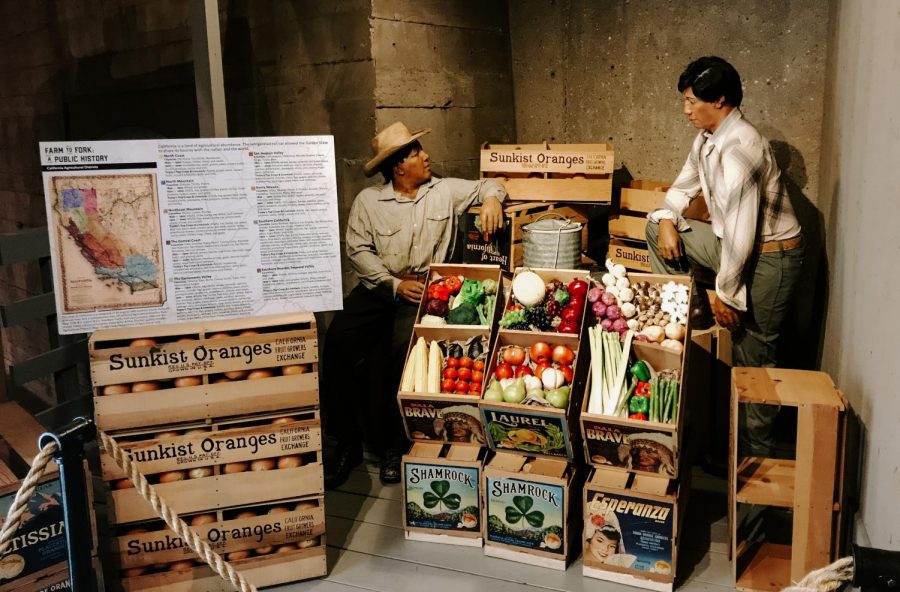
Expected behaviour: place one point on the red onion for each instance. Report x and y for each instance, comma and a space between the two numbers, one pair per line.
606, 324
599, 309
620, 325
613, 312
595, 293
607, 298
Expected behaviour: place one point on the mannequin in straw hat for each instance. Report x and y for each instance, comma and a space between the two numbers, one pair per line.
394, 232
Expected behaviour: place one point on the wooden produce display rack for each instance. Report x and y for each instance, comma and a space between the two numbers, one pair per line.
37, 558
535, 427
809, 486
446, 456
222, 418
627, 235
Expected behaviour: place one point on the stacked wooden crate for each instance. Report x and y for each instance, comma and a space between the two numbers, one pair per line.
627, 235
223, 419
37, 556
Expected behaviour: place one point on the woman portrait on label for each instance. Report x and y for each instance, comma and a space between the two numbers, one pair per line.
603, 541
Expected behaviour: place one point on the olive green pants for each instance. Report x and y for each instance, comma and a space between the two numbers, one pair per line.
771, 278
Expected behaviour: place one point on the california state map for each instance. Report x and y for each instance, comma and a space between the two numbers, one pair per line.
108, 241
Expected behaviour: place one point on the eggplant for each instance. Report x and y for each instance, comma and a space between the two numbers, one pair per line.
455, 350
476, 347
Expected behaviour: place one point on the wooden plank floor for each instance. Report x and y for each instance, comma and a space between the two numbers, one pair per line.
367, 549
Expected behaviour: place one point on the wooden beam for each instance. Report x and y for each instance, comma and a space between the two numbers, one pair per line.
47, 363
25, 245
208, 78
29, 309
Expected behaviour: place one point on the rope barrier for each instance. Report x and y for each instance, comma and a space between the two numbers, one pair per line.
827, 579
148, 492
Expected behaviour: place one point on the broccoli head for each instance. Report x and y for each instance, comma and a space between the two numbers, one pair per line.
464, 314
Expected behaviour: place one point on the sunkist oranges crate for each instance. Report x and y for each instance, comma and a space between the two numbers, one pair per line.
222, 418
551, 172
37, 557
627, 236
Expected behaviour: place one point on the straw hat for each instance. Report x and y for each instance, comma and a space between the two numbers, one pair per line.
390, 140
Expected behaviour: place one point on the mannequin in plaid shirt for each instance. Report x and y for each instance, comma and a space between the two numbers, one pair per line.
753, 242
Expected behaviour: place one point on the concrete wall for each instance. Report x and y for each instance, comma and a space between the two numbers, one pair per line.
445, 65
859, 198
588, 71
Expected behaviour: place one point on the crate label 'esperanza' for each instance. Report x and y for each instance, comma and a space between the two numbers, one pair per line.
442, 497
526, 514
628, 532
527, 432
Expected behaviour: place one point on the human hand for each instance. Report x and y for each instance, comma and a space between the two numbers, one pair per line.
669, 241
411, 290
491, 217
725, 315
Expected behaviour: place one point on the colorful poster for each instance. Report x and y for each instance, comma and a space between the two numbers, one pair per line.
526, 514
442, 497
628, 532
632, 448
147, 232
477, 250
532, 433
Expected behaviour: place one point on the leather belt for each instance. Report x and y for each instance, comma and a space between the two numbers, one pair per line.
414, 277
780, 245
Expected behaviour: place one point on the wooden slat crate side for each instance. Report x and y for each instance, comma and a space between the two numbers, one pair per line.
630, 227
637, 199
632, 254
574, 189
177, 405
220, 491
202, 357
196, 448
266, 570
286, 526
597, 159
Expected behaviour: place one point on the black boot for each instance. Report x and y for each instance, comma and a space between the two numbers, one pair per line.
343, 459
390, 466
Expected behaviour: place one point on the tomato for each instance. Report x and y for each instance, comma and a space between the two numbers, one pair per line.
577, 288
477, 376
448, 385
452, 362
524, 371
462, 386
503, 371
478, 365
563, 355
539, 369
567, 373
540, 352
514, 355
450, 373
465, 362
464, 374
475, 388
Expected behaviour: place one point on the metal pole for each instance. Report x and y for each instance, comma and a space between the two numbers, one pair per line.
69, 456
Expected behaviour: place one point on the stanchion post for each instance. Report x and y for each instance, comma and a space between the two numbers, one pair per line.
69, 456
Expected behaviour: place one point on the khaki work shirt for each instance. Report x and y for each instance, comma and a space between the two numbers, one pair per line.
389, 235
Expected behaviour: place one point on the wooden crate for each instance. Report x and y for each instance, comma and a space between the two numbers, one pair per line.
634, 255
607, 439
54, 579
278, 344
249, 441
140, 549
643, 196
438, 471
472, 272
552, 486
809, 485
631, 528
264, 570
507, 249
628, 227
38, 552
551, 172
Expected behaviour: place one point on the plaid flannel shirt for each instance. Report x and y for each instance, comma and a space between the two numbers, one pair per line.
747, 201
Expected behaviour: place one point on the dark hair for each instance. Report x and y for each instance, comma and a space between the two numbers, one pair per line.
710, 78
386, 168
610, 532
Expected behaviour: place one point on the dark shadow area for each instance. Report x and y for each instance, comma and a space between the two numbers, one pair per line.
245, 97
804, 329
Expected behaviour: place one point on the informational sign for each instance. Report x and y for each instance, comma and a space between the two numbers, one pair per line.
149, 232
